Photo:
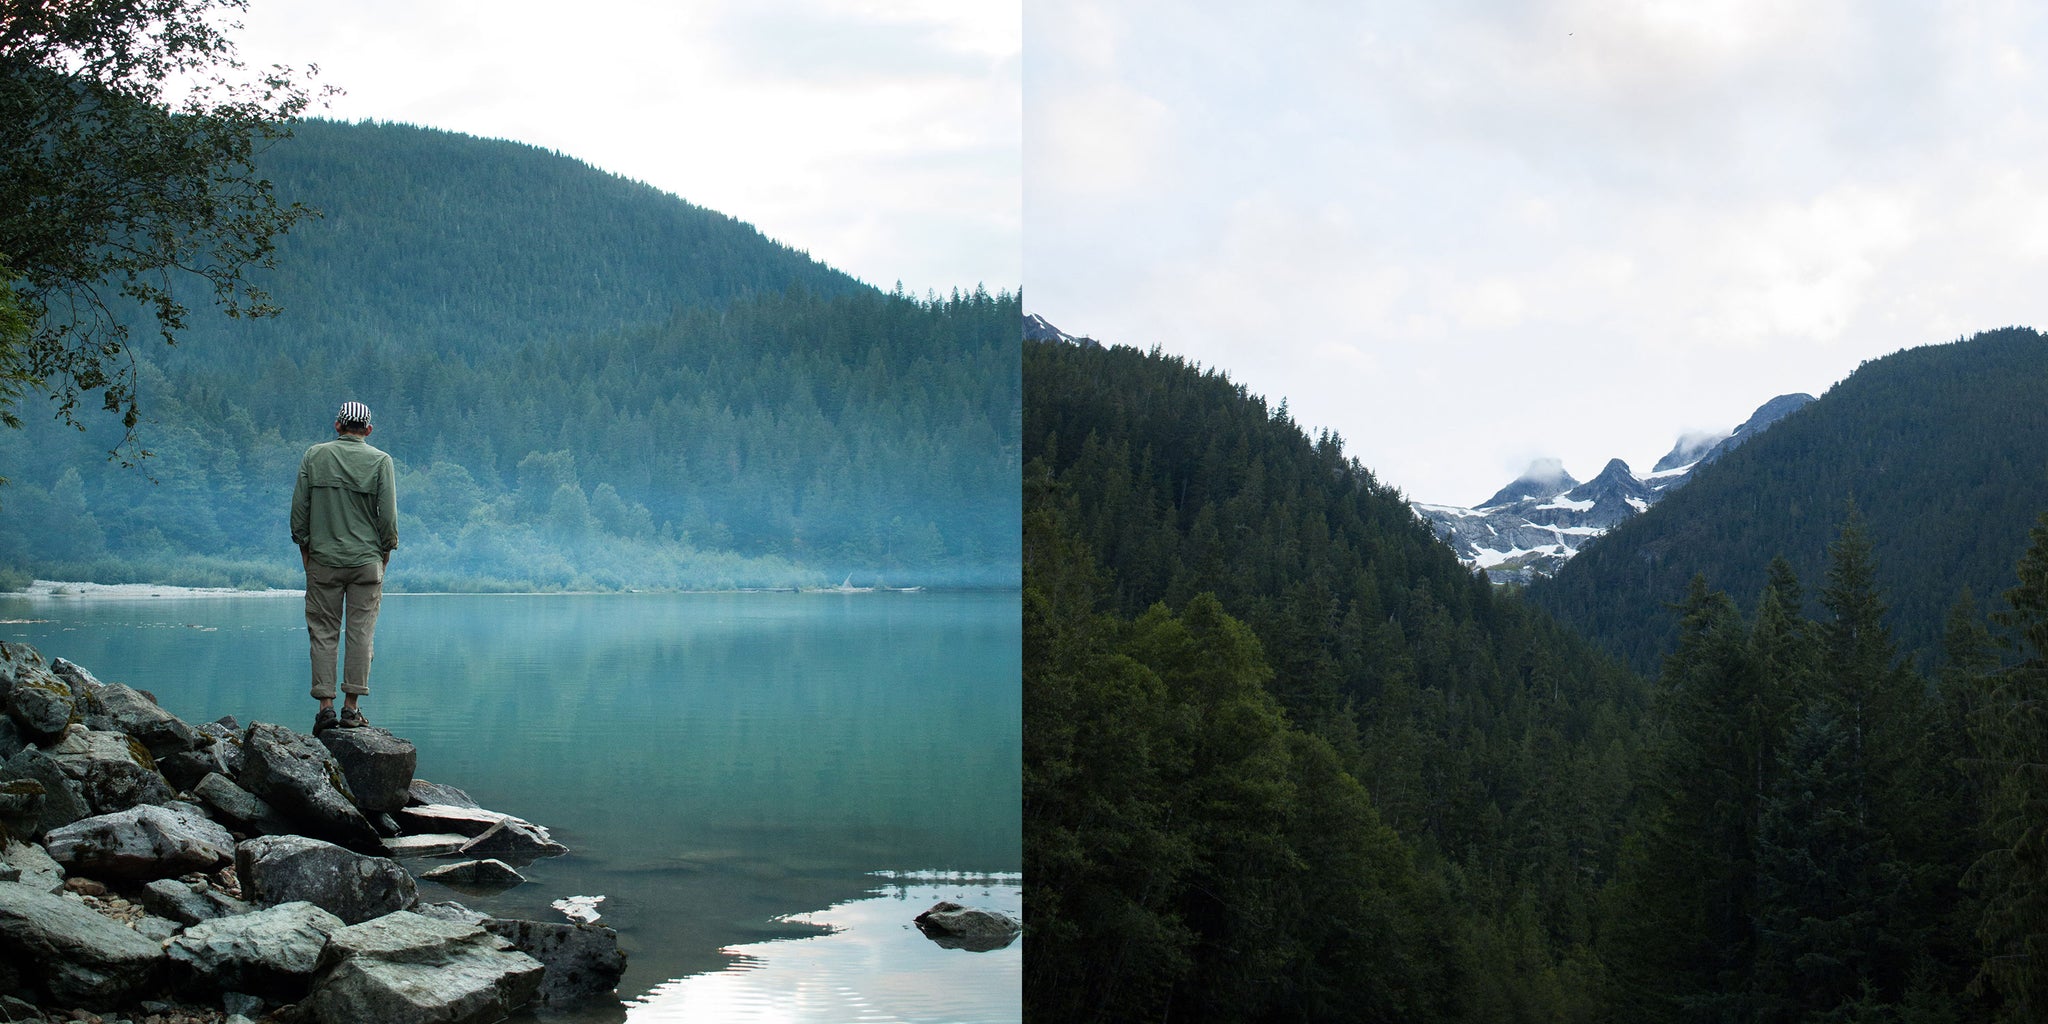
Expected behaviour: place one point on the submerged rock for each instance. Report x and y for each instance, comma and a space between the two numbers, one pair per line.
970, 928
488, 874
583, 960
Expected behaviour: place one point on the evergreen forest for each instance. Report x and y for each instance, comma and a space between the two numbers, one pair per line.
585, 383
1286, 760
1944, 449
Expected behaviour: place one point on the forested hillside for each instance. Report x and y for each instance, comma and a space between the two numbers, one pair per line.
1943, 448
584, 382
1286, 760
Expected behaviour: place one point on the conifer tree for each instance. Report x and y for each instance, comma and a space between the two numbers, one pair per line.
2012, 732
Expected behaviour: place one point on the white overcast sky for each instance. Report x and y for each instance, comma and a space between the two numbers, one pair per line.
1469, 234
882, 136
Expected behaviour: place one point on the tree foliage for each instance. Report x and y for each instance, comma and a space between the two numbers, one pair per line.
1773, 831
586, 383
128, 137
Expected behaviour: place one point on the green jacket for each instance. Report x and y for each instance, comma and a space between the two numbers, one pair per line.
345, 505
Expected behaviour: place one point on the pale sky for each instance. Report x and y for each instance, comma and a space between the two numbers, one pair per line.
882, 136
1468, 234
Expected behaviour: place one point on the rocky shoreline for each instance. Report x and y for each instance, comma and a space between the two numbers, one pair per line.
156, 872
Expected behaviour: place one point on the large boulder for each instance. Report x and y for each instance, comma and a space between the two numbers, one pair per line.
113, 770
272, 952
73, 955
137, 714
409, 969
971, 928
40, 704
141, 842
378, 766
352, 886
297, 776
583, 960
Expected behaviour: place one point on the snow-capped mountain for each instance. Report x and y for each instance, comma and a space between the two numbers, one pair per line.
1037, 328
1531, 526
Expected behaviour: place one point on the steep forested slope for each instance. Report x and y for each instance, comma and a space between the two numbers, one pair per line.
1208, 778
584, 382
1943, 448
1285, 761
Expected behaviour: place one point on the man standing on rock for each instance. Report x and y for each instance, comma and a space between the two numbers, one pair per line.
345, 522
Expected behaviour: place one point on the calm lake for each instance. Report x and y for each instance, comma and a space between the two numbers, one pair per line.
765, 788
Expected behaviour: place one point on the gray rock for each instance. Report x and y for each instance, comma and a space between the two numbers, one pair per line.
408, 969
82, 683
514, 840
114, 771
487, 875
12, 1009
297, 776
139, 716
21, 806
76, 956
150, 926
378, 766
141, 842
583, 960
222, 746
188, 903
443, 818
449, 910
11, 739
237, 806
242, 1005
352, 886
431, 845
31, 865
39, 703
424, 792
272, 952
63, 796
971, 928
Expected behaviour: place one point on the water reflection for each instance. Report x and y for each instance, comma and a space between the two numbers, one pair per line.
872, 965
715, 762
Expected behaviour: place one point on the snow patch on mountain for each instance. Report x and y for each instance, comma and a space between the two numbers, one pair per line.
1539, 521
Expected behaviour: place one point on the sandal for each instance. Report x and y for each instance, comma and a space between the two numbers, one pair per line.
352, 718
324, 721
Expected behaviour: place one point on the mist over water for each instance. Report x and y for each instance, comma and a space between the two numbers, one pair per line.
728, 769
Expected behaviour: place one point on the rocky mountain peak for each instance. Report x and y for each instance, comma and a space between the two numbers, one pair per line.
1690, 449
1545, 478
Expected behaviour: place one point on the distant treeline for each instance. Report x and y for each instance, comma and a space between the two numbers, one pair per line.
1285, 760
585, 383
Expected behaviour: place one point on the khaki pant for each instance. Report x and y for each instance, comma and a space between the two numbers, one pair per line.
329, 591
